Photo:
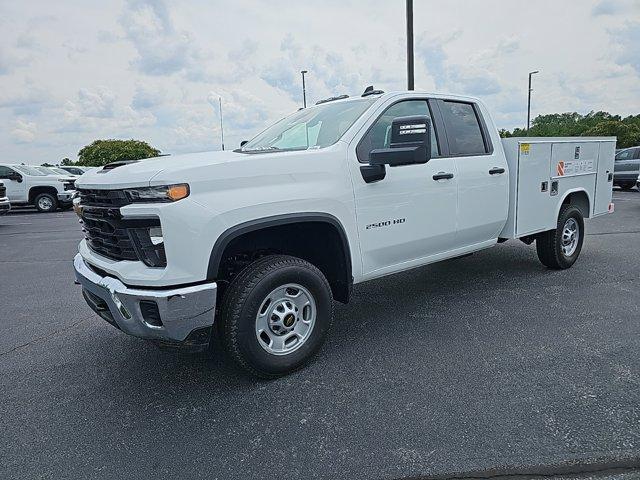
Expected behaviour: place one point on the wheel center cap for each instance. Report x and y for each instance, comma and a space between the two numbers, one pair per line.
289, 320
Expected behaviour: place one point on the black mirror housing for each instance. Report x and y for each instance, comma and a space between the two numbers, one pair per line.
15, 176
243, 143
410, 143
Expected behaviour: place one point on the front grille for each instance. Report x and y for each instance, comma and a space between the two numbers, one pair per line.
111, 236
106, 234
3, 191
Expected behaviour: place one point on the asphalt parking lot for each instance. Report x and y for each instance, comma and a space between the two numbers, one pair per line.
488, 363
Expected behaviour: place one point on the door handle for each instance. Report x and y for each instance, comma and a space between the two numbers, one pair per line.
496, 171
443, 176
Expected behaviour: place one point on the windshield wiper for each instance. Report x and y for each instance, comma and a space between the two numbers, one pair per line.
272, 149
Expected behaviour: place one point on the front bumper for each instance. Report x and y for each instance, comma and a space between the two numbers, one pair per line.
66, 197
181, 316
5, 206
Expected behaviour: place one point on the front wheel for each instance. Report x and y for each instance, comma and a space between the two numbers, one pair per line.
560, 248
276, 315
46, 203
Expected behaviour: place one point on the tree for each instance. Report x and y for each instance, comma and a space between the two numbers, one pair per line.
573, 124
46, 165
101, 152
628, 134
66, 162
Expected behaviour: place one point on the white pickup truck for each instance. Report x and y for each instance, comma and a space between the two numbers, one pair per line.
27, 185
5, 205
264, 238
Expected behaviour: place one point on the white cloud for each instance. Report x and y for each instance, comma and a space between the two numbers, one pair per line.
23, 131
153, 69
94, 103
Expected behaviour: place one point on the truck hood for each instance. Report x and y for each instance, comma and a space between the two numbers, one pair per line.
141, 174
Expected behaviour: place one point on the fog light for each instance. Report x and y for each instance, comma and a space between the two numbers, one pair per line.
155, 234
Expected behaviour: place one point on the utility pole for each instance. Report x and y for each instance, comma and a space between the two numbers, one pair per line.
304, 90
531, 74
221, 127
410, 83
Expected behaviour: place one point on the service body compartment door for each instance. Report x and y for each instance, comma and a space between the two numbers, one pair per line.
571, 159
534, 201
604, 181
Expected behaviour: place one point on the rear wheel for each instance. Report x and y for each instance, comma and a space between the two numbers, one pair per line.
627, 186
560, 248
275, 315
45, 203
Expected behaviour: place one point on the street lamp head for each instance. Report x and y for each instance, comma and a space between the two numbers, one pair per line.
533, 73
304, 71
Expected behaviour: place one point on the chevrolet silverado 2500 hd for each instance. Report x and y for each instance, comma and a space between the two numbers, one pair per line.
260, 241
26, 185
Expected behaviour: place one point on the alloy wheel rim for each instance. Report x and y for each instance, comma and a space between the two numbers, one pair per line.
285, 319
570, 237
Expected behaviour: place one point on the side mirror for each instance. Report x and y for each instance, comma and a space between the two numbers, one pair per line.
15, 176
410, 143
243, 143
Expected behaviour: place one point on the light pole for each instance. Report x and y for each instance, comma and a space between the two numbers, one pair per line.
531, 74
221, 128
304, 90
410, 83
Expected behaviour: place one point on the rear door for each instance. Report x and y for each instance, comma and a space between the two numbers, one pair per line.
483, 177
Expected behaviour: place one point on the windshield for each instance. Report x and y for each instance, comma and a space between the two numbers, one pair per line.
30, 171
59, 171
46, 170
314, 127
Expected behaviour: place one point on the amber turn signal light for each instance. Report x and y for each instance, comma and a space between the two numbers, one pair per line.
178, 192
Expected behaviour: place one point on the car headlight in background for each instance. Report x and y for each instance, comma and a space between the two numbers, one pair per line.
163, 193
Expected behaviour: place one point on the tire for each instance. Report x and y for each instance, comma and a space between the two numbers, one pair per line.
627, 186
46, 203
249, 304
549, 245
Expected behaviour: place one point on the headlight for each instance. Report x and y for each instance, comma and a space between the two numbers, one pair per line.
164, 193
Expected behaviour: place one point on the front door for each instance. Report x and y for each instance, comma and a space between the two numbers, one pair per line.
16, 191
409, 215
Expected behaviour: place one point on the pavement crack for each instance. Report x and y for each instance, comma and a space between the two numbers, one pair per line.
565, 472
596, 234
45, 337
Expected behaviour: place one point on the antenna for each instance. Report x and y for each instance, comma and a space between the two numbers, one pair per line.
221, 127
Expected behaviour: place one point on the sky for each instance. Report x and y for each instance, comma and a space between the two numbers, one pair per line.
73, 71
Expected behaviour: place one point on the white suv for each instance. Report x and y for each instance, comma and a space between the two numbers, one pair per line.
26, 185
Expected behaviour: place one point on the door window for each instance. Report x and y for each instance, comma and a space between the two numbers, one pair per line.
627, 154
5, 172
379, 135
463, 129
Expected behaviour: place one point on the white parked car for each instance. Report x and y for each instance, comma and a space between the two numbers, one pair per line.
26, 185
5, 205
263, 239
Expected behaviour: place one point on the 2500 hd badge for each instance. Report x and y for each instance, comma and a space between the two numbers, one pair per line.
386, 223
